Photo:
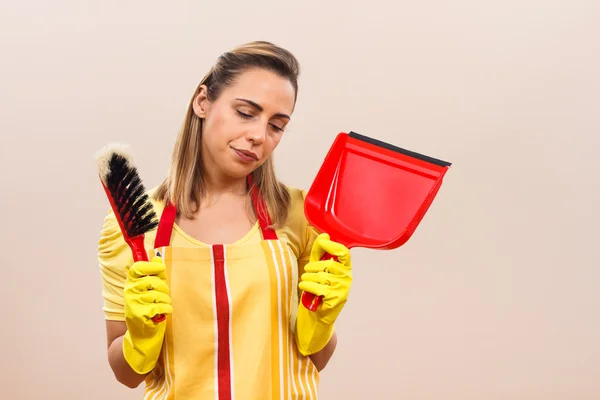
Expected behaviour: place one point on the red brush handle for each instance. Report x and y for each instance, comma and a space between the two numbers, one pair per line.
137, 248
139, 254
311, 301
136, 244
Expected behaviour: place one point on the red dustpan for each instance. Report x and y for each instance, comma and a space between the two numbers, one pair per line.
370, 194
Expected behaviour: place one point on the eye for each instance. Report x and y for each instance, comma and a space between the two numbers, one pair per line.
277, 128
243, 115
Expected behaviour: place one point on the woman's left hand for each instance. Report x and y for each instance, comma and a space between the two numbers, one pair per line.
330, 279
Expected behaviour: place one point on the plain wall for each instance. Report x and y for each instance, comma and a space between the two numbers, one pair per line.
495, 297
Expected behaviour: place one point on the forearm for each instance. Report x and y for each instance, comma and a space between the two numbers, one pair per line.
322, 357
123, 372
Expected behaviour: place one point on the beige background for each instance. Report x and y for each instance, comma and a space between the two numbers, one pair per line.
497, 294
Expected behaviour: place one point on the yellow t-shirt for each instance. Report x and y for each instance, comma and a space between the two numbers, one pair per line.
262, 295
114, 255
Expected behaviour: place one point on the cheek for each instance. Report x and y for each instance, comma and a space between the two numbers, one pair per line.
272, 143
215, 128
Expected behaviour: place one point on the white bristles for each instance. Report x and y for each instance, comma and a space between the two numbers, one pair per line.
104, 155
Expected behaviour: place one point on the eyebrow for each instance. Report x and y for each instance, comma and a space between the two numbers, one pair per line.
259, 108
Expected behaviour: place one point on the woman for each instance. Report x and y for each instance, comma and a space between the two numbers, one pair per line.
231, 257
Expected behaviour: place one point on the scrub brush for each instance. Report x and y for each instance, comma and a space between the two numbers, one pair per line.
128, 199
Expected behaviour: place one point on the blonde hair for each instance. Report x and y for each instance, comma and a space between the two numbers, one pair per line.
185, 185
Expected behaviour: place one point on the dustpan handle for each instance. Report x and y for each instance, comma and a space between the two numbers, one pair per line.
310, 300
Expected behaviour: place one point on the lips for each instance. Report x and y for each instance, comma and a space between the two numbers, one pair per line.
247, 153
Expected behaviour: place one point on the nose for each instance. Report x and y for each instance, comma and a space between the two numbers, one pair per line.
256, 134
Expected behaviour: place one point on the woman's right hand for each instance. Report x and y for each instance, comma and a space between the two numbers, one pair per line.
146, 295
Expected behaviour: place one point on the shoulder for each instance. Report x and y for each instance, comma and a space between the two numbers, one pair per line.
297, 197
294, 231
296, 216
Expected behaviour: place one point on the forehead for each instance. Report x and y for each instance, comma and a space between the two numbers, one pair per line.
271, 91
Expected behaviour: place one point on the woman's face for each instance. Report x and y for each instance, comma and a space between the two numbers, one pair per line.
245, 124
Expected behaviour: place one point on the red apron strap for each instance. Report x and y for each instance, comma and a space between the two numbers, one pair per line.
264, 219
165, 226
167, 219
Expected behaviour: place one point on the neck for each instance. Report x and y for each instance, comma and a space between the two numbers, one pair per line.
215, 188
227, 191
217, 185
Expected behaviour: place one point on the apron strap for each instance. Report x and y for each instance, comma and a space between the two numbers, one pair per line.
165, 226
264, 219
167, 219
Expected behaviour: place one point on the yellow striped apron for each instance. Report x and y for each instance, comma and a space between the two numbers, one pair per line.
231, 332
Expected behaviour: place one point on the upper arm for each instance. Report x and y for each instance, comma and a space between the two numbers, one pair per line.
114, 259
114, 330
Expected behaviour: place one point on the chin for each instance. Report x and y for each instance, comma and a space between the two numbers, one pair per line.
240, 171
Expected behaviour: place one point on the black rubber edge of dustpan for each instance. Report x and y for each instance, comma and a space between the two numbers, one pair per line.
397, 149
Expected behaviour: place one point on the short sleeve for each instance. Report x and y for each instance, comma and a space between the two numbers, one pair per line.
310, 234
114, 258
297, 232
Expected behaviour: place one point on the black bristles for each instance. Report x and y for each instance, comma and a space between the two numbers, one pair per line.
129, 196
400, 150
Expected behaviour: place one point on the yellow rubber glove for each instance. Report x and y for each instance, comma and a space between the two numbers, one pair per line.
146, 295
330, 279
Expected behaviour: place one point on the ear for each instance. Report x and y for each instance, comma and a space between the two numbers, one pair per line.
200, 103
